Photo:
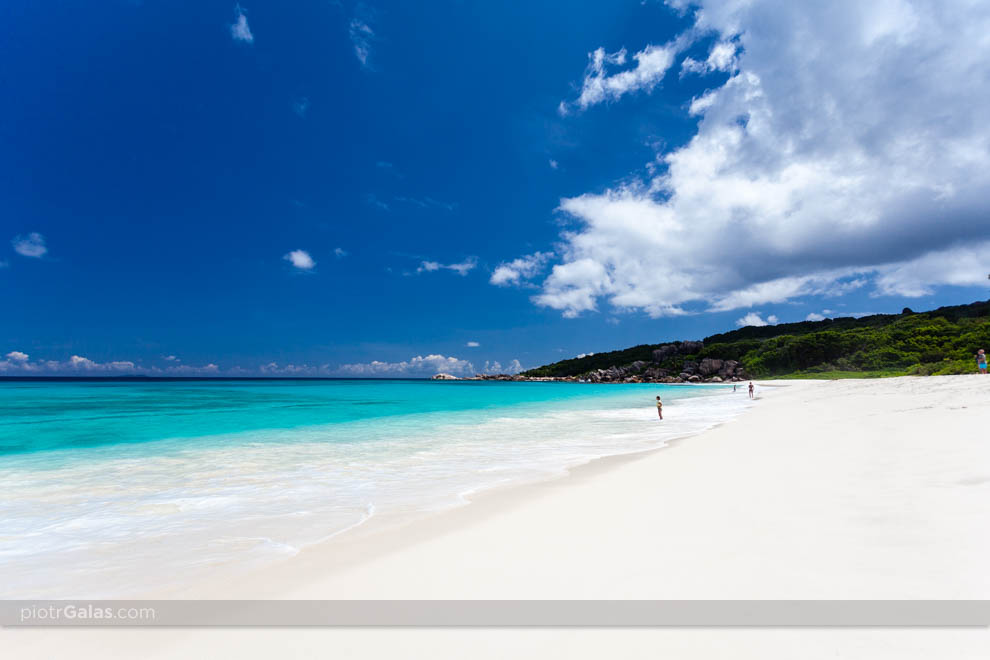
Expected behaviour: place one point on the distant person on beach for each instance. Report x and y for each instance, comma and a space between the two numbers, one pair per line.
751, 390
733, 387
660, 407
981, 361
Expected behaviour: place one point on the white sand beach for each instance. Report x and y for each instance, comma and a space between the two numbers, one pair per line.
875, 489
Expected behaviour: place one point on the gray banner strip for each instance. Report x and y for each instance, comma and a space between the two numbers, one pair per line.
497, 613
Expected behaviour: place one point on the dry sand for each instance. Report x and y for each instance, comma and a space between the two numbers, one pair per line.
823, 490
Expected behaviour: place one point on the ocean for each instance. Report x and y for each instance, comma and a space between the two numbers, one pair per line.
113, 489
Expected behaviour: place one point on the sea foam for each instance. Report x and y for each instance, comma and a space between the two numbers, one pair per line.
126, 520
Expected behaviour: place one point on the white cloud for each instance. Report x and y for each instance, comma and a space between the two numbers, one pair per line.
80, 363
239, 30
495, 367
418, 366
462, 268
362, 34
275, 369
513, 273
472, 344
340, 253
754, 319
190, 370
31, 245
814, 316
722, 57
300, 259
652, 64
800, 180
554, 164
18, 361
959, 266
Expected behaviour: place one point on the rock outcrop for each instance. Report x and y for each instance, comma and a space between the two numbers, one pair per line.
669, 364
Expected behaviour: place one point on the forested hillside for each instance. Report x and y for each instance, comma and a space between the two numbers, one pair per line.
941, 341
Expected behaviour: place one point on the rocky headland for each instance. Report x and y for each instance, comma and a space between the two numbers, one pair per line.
670, 363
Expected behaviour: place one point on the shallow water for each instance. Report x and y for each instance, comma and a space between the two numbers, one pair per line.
115, 488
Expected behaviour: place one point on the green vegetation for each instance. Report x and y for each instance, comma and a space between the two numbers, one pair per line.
581, 365
942, 341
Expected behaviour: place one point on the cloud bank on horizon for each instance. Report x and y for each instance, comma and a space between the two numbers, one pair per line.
847, 147
19, 363
428, 365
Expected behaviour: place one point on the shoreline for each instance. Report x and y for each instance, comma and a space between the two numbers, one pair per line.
735, 502
381, 535
187, 516
825, 490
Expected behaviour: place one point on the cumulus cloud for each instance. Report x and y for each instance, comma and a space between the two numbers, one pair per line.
340, 253
515, 272
496, 367
300, 259
239, 30
19, 363
814, 316
418, 366
554, 164
754, 319
721, 58
80, 363
652, 64
462, 268
472, 344
832, 158
30, 245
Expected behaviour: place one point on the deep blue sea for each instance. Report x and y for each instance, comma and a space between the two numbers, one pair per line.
111, 487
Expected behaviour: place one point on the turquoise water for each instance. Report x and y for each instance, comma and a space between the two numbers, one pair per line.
45, 415
115, 488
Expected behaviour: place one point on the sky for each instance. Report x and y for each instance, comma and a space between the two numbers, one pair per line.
377, 188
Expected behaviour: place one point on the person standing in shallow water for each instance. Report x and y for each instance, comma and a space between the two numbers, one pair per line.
660, 407
981, 361
751, 389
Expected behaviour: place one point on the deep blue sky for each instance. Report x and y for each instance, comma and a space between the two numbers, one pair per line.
169, 167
